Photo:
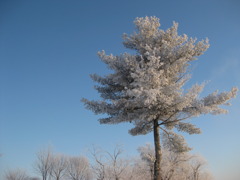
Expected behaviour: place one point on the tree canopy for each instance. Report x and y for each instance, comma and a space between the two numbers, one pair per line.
147, 88
148, 85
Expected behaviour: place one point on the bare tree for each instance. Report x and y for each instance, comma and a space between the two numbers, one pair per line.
117, 165
110, 166
196, 165
17, 174
43, 164
58, 166
99, 167
78, 168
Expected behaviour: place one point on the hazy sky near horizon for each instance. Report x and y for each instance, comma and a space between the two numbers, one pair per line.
49, 48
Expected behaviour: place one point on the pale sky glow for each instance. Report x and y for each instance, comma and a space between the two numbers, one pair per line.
49, 48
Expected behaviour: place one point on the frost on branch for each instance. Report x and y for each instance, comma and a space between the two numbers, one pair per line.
211, 103
148, 86
187, 127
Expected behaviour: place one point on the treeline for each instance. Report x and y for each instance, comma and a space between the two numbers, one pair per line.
104, 165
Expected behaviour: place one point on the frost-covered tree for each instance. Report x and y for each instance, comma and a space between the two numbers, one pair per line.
78, 168
43, 163
58, 166
147, 155
146, 88
17, 174
174, 166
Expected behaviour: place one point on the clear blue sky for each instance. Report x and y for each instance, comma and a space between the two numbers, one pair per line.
48, 49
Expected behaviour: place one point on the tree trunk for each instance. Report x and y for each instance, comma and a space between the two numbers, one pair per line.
158, 153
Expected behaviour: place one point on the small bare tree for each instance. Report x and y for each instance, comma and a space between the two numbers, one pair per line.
78, 168
196, 168
99, 167
110, 166
43, 164
117, 165
58, 166
17, 174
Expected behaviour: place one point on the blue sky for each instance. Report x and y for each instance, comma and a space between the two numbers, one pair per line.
49, 48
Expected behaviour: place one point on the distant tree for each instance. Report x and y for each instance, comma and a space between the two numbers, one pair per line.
147, 154
173, 163
138, 169
110, 166
99, 167
117, 165
43, 163
78, 168
146, 89
192, 169
175, 166
17, 174
196, 168
58, 166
